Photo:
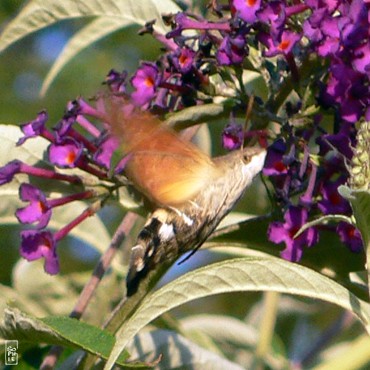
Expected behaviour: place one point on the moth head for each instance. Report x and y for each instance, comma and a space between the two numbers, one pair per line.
246, 160
253, 159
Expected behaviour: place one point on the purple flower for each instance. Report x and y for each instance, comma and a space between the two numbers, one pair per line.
116, 81
145, 82
328, 5
38, 210
80, 107
65, 154
232, 136
232, 50
105, 151
342, 141
354, 23
64, 131
332, 202
273, 14
35, 128
275, 164
348, 89
314, 34
361, 60
283, 45
307, 198
183, 59
40, 244
64, 127
181, 22
8, 171
246, 9
330, 42
340, 30
14, 167
280, 232
350, 236
321, 28
76, 111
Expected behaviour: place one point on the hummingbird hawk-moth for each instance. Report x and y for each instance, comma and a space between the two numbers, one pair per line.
191, 192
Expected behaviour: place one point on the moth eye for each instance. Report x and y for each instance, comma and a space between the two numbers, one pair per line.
246, 158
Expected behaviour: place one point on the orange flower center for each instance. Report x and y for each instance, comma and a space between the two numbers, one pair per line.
183, 59
42, 207
149, 82
250, 2
284, 45
71, 156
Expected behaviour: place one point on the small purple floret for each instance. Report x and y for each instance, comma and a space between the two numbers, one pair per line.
283, 232
33, 128
38, 210
65, 154
40, 244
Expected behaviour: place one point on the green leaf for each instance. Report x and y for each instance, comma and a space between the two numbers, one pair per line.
360, 202
255, 84
57, 330
198, 114
38, 14
178, 352
225, 329
31, 152
46, 294
222, 329
85, 336
240, 274
94, 31
234, 218
17, 325
12, 296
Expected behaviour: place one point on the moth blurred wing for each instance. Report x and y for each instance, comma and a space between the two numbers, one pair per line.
167, 178
166, 169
